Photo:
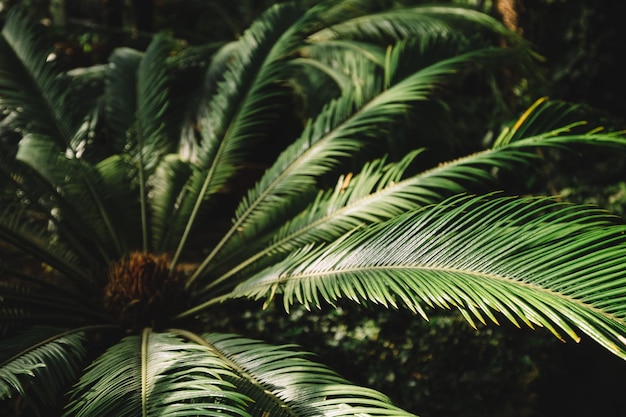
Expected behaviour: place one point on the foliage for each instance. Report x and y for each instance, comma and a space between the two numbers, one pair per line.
153, 192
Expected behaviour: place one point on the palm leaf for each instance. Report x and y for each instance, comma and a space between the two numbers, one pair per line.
282, 382
38, 301
120, 95
19, 229
44, 199
167, 190
94, 190
324, 71
152, 102
339, 131
547, 117
423, 21
116, 178
532, 260
378, 192
54, 134
32, 84
40, 363
156, 374
244, 105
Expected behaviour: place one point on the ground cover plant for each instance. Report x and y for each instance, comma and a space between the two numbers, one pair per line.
141, 197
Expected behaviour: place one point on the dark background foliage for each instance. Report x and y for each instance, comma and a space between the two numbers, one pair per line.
440, 367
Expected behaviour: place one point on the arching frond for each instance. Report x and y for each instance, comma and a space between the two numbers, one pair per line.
344, 63
333, 213
31, 84
532, 260
97, 192
151, 138
45, 299
34, 237
341, 129
167, 191
157, 374
120, 95
423, 21
39, 364
548, 118
152, 103
379, 193
281, 381
43, 198
78, 182
244, 105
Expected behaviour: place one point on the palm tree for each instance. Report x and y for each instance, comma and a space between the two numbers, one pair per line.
140, 197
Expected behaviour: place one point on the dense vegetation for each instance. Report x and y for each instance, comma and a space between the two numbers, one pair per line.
145, 199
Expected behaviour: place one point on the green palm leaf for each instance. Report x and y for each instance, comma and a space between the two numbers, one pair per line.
547, 118
57, 132
19, 229
282, 382
43, 198
423, 21
167, 190
352, 202
339, 131
120, 94
533, 260
342, 64
156, 374
40, 363
31, 84
242, 108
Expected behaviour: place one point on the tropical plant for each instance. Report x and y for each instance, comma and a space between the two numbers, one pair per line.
119, 243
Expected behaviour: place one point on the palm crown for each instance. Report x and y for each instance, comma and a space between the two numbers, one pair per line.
118, 179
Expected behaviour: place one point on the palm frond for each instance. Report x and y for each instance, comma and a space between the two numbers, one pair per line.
351, 203
32, 299
247, 90
536, 261
342, 129
379, 192
283, 382
116, 179
76, 181
244, 105
31, 84
157, 374
120, 95
40, 363
19, 229
91, 190
197, 106
43, 198
151, 139
344, 63
152, 102
547, 118
391, 25
167, 190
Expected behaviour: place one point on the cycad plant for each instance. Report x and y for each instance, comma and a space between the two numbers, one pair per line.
141, 197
